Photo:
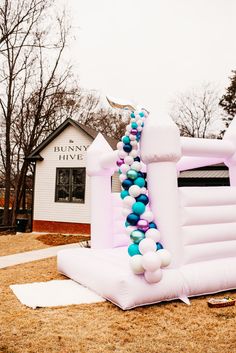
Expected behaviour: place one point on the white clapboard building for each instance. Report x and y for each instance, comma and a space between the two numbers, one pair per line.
61, 186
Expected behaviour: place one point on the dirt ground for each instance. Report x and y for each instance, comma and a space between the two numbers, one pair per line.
12, 244
103, 328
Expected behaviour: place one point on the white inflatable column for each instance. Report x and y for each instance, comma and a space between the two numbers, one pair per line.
160, 151
230, 135
100, 194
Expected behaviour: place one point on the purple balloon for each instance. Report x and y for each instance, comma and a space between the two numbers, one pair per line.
134, 132
143, 225
120, 162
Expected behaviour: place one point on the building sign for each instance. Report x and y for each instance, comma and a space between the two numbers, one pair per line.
70, 152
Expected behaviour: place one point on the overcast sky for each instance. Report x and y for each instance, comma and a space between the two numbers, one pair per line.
150, 50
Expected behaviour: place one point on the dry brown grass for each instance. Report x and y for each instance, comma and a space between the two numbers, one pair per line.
103, 328
60, 239
12, 244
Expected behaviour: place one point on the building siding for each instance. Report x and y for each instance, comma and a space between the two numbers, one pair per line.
57, 155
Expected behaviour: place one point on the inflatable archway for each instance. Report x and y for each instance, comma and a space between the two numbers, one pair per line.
197, 225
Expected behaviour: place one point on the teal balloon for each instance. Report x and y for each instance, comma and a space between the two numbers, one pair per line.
127, 224
124, 193
152, 225
136, 236
132, 174
132, 115
141, 114
134, 125
126, 139
133, 250
140, 182
159, 246
138, 208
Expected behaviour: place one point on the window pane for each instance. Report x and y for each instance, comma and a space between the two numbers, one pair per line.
78, 185
63, 176
63, 193
78, 176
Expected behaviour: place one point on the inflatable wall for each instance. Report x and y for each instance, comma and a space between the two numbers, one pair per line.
197, 225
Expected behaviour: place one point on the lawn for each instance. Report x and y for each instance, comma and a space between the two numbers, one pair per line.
12, 244
103, 328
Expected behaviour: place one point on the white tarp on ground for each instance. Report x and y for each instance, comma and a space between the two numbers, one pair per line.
54, 293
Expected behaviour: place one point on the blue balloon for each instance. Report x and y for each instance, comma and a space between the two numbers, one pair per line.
132, 115
141, 114
159, 246
142, 198
127, 224
133, 249
141, 175
138, 208
140, 182
137, 159
127, 183
126, 139
127, 148
132, 218
124, 193
152, 225
137, 236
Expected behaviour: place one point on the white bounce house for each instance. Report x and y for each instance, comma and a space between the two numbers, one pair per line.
197, 225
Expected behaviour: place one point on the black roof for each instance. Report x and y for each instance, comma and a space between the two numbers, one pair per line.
35, 154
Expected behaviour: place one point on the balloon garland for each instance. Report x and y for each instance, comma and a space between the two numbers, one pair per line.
147, 255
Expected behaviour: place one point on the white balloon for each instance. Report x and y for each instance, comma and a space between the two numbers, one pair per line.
122, 177
128, 128
148, 215
128, 160
130, 229
120, 145
128, 201
144, 190
151, 261
133, 153
122, 154
153, 234
132, 137
133, 143
165, 257
135, 191
126, 211
124, 168
139, 128
136, 264
136, 166
153, 277
139, 122
147, 245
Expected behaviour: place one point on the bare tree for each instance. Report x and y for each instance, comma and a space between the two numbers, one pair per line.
197, 112
228, 100
37, 91
111, 122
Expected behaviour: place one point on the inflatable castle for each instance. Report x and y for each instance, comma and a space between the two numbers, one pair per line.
195, 227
